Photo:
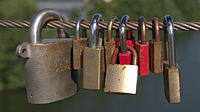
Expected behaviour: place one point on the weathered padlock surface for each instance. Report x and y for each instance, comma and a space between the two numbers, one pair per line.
93, 68
156, 59
172, 84
121, 79
78, 46
48, 70
109, 49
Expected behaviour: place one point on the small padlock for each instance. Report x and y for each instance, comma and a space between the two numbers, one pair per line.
155, 48
110, 43
142, 48
93, 57
78, 45
124, 55
171, 70
47, 63
122, 78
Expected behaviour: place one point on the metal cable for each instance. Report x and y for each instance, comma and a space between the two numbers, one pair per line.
133, 25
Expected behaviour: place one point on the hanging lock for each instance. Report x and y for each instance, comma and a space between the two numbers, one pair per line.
171, 70
110, 43
142, 48
155, 48
122, 78
93, 57
78, 45
124, 55
47, 63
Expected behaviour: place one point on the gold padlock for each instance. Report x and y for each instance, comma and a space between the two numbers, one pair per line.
93, 57
171, 70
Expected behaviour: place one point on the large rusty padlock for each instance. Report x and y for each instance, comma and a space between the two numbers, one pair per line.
110, 43
171, 70
122, 78
155, 48
142, 48
78, 45
47, 62
93, 57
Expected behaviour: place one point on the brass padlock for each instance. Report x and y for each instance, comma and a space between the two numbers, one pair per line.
47, 62
78, 45
110, 43
122, 78
171, 70
93, 57
155, 48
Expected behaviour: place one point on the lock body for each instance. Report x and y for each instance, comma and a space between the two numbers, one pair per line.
78, 46
156, 58
143, 58
125, 58
121, 79
93, 70
172, 84
47, 68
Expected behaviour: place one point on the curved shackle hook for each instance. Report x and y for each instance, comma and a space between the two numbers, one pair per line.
78, 25
169, 37
110, 25
39, 20
142, 30
94, 30
122, 30
156, 29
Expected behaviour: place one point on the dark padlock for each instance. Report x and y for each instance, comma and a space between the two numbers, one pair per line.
93, 57
110, 43
122, 78
78, 45
47, 62
142, 48
171, 70
155, 48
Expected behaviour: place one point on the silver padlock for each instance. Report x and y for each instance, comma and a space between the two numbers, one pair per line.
171, 70
93, 57
122, 79
47, 62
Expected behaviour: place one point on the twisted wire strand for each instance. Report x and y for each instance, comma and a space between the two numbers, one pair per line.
133, 25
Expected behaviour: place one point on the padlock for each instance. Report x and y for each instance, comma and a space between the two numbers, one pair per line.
142, 48
47, 62
110, 43
93, 57
124, 55
122, 79
171, 70
155, 48
78, 45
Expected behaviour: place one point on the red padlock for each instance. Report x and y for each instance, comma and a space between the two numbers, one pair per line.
142, 48
124, 55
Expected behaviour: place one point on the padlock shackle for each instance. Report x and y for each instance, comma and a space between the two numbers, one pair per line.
142, 30
94, 30
110, 25
122, 30
156, 29
116, 52
78, 25
169, 37
39, 20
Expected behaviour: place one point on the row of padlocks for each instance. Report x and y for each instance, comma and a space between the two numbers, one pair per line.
50, 64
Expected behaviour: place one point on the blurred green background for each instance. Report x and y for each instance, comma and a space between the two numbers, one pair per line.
12, 84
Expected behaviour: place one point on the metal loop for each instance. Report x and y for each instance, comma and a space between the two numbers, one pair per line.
78, 25
94, 30
39, 19
169, 37
156, 29
142, 30
122, 30
110, 25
